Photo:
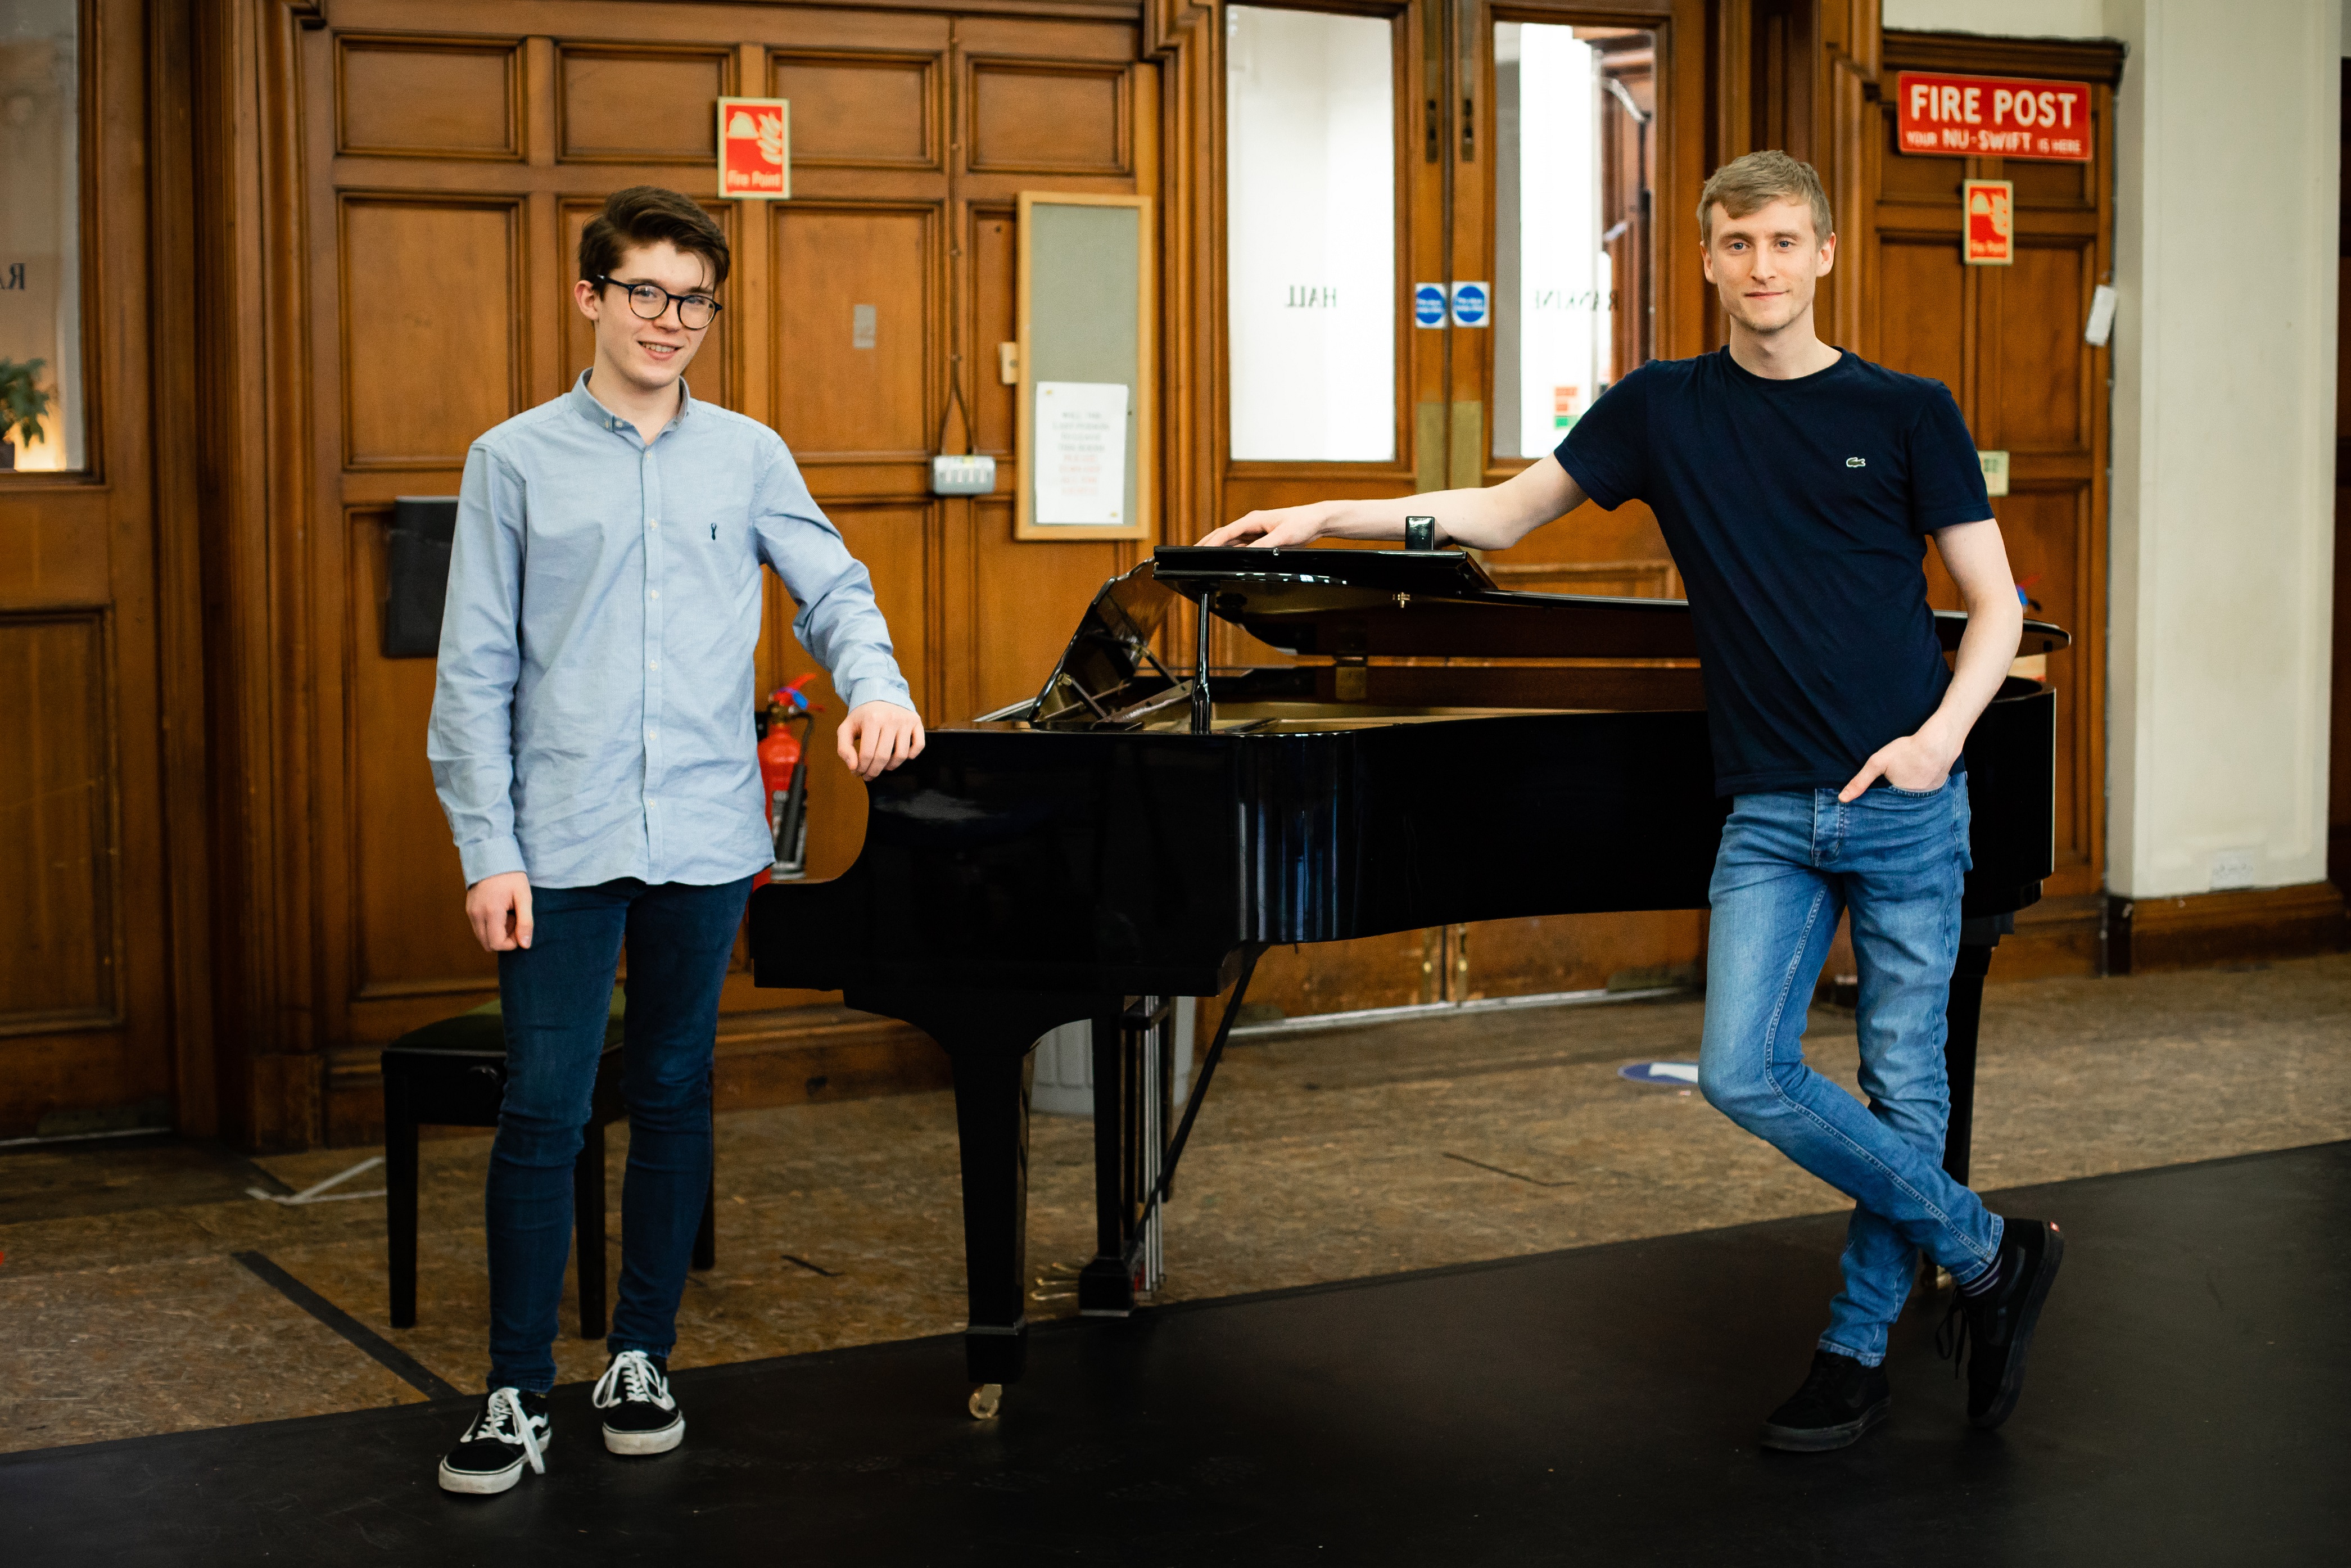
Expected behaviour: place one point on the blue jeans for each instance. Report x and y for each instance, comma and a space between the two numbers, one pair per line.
556, 996
1791, 862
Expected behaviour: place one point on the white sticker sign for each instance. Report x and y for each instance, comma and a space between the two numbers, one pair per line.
1082, 453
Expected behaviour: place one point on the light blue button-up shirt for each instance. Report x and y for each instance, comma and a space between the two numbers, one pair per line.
591, 717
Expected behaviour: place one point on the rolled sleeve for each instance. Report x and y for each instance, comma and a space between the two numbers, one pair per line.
470, 741
839, 622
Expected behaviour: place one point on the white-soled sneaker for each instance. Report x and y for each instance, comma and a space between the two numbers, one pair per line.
511, 1431
641, 1415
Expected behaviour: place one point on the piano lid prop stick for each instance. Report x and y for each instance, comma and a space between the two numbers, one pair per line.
1203, 711
1200, 1091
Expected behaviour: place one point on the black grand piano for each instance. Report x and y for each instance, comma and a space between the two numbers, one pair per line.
1137, 833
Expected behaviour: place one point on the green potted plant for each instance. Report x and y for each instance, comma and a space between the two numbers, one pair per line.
23, 404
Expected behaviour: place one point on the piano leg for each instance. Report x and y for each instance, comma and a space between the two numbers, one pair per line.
1131, 1089
991, 1091
1106, 1285
1963, 1015
987, 1036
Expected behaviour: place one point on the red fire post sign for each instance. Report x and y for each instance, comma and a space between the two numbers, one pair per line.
1992, 117
755, 149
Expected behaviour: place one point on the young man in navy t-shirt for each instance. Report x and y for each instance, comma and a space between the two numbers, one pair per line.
1797, 485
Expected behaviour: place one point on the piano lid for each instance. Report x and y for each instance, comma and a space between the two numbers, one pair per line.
1347, 604
1434, 603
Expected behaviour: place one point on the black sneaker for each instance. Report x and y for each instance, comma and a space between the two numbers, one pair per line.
641, 1416
2001, 1320
511, 1431
1840, 1399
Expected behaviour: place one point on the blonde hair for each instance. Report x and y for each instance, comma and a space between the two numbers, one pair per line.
1749, 184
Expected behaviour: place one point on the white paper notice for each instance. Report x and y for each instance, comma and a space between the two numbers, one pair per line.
1082, 453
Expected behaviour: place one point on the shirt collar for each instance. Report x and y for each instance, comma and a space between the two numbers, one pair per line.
584, 402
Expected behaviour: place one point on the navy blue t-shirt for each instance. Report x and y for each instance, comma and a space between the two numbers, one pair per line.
1797, 511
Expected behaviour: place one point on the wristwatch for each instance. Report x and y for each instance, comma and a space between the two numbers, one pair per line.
1420, 533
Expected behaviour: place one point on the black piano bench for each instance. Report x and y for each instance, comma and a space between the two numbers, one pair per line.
453, 1073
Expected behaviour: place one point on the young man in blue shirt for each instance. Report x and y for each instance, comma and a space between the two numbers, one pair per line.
1797, 485
592, 745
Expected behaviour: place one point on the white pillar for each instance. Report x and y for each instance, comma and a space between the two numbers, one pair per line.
2221, 520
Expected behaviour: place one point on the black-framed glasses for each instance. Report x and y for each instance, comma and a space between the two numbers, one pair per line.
652, 302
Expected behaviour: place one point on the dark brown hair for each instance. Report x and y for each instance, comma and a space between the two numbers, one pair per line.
648, 215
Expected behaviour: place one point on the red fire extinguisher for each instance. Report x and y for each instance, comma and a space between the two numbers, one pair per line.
783, 769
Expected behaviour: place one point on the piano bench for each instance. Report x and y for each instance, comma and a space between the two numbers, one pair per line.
453, 1073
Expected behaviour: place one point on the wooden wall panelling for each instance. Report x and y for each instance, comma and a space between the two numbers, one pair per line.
428, 98
641, 103
1048, 117
60, 943
431, 326
861, 108
837, 403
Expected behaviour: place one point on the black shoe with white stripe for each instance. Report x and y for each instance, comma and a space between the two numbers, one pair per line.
641, 1415
511, 1431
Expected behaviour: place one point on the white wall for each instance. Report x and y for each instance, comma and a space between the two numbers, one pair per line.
2222, 528
2004, 18
2221, 520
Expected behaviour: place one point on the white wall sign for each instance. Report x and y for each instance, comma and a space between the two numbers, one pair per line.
1081, 452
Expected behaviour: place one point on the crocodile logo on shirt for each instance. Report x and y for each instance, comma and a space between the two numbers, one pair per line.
1856, 462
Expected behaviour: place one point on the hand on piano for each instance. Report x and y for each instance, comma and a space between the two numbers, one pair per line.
1278, 527
876, 736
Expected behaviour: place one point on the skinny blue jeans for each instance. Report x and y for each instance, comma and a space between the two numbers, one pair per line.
1791, 862
556, 996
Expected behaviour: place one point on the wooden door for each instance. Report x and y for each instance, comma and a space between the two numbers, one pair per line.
468, 144
2008, 342
1473, 201
96, 583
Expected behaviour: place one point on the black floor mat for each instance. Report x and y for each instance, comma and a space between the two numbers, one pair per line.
2187, 1404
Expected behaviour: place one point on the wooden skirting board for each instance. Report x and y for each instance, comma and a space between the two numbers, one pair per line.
2145, 935
789, 1057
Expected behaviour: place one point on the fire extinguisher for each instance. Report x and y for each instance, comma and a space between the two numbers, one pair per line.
783, 769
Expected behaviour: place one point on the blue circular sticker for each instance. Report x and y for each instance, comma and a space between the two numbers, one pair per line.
1428, 304
1471, 303
1679, 1074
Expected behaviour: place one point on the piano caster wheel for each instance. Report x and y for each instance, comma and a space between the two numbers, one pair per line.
984, 1400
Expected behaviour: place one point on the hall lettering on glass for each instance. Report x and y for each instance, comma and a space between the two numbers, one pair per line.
2003, 117
1311, 296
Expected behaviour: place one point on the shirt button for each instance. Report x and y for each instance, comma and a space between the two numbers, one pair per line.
656, 593
653, 522
653, 664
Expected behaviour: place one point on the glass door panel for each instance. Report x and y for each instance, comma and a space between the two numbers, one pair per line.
40, 236
1311, 195
1571, 224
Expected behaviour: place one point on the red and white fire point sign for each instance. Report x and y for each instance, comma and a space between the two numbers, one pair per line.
1992, 117
755, 148
1992, 229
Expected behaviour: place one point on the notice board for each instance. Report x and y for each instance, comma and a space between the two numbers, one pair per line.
1088, 418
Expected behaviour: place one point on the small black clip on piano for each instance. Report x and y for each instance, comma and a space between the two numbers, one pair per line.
1143, 829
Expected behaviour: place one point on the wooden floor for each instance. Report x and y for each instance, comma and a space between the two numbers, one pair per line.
1321, 1157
